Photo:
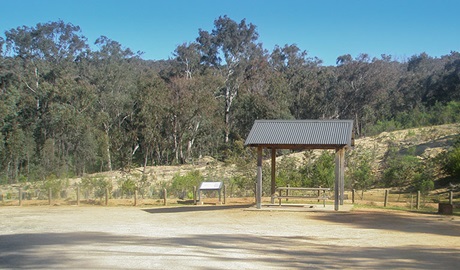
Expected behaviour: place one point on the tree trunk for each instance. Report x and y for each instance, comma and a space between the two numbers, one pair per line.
108, 156
146, 158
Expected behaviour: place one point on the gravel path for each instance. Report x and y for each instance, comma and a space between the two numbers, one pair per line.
224, 237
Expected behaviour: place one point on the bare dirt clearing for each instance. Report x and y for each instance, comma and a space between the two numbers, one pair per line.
224, 237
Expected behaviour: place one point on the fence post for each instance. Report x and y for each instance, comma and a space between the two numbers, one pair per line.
194, 195
353, 195
411, 201
418, 200
49, 196
386, 198
78, 195
287, 192
106, 196
451, 197
135, 197
20, 196
165, 194
225, 193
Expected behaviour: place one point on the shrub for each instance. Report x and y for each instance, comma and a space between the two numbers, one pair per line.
97, 185
56, 185
452, 162
360, 172
400, 170
288, 173
182, 185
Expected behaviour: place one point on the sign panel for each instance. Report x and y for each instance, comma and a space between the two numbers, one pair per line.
211, 185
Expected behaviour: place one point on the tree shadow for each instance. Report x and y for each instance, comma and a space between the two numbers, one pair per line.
394, 221
440, 142
194, 208
208, 251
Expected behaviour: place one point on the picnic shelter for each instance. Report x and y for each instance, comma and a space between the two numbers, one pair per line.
301, 135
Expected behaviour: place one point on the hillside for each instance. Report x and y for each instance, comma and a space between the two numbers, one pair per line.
428, 142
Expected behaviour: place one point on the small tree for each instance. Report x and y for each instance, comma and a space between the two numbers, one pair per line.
98, 185
360, 172
320, 172
182, 185
451, 161
288, 173
401, 171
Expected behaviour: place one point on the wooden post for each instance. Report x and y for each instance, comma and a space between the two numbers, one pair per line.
220, 196
353, 196
418, 200
386, 198
259, 178
165, 194
411, 201
225, 193
20, 196
280, 194
451, 197
106, 196
49, 196
273, 176
342, 174
287, 192
135, 197
78, 195
194, 195
337, 180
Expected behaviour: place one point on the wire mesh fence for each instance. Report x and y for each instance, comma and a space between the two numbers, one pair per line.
155, 195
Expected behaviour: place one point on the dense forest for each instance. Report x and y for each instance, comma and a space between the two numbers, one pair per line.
68, 108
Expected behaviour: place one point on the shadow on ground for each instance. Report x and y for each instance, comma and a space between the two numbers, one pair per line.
395, 221
100, 249
194, 208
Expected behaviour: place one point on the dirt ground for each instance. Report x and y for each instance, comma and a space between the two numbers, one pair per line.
224, 237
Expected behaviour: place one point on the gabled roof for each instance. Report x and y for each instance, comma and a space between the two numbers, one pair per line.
301, 134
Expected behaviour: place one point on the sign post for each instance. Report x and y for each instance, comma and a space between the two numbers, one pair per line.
210, 186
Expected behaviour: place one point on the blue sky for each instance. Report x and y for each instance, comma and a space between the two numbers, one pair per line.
324, 28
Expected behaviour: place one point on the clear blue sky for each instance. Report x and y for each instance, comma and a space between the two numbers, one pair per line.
324, 28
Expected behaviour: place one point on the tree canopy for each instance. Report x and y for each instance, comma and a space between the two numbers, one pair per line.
67, 109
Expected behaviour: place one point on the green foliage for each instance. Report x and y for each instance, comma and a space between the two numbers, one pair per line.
451, 161
400, 171
242, 185
420, 116
70, 109
288, 173
128, 186
323, 171
56, 185
360, 173
96, 185
182, 185
408, 171
423, 182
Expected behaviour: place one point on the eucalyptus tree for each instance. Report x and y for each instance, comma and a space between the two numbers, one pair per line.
444, 84
191, 103
43, 64
264, 94
112, 72
187, 57
362, 88
151, 115
227, 49
302, 76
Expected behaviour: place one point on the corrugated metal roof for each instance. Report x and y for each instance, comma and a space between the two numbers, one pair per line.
301, 132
